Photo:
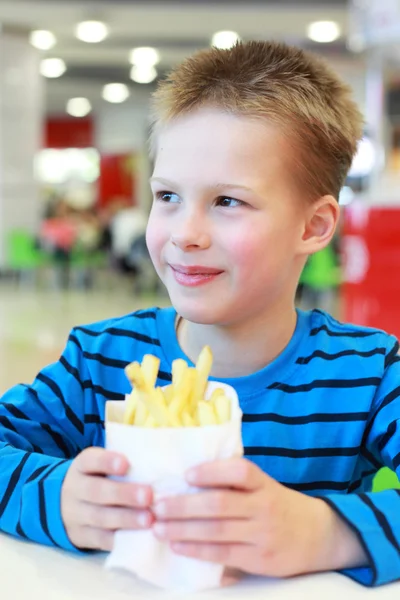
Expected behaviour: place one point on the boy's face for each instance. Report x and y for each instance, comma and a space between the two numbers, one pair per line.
226, 224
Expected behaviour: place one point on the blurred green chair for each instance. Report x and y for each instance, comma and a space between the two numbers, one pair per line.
23, 256
385, 479
86, 264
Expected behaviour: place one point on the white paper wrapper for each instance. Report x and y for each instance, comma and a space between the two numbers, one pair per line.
160, 458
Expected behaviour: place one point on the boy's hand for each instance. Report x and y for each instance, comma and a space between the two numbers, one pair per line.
94, 507
249, 521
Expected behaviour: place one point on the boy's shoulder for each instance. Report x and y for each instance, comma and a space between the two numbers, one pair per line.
140, 325
334, 327
325, 330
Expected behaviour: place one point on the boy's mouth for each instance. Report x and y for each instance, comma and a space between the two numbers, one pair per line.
193, 276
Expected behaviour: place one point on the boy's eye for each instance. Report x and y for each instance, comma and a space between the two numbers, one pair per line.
168, 197
227, 202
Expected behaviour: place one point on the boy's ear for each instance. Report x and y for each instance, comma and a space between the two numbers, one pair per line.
320, 224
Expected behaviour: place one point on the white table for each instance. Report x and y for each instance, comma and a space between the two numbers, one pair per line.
32, 572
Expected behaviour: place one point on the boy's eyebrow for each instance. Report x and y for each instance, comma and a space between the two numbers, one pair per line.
216, 186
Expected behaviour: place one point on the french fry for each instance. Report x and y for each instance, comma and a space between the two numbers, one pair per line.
129, 416
182, 392
150, 422
222, 407
150, 367
188, 420
179, 366
181, 404
203, 368
206, 414
168, 394
141, 414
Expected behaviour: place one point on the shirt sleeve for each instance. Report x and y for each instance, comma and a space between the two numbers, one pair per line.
375, 516
41, 431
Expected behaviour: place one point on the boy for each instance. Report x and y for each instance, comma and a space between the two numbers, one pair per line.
251, 148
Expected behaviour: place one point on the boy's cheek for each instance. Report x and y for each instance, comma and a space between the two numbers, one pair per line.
155, 238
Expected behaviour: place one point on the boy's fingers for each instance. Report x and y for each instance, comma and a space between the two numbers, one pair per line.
113, 518
98, 461
217, 530
99, 490
93, 538
210, 504
236, 473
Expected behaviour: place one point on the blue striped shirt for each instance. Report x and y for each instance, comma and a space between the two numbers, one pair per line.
321, 419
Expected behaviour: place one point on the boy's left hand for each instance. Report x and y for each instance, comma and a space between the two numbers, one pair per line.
246, 520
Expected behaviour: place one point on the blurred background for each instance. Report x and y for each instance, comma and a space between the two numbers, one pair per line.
75, 82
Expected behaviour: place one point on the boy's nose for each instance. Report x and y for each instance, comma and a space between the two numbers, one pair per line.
191, 234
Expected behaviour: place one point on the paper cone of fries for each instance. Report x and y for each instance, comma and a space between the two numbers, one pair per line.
160, 456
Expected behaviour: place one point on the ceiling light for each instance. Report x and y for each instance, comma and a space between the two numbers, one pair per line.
143, 74
115, 92
42, 39
225, 39
52, 67
91, 32
323, 31
78, 107
144, 56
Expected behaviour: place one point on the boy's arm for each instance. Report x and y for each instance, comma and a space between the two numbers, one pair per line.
41, 430
375, 517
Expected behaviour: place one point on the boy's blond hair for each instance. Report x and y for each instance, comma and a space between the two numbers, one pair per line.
285, 85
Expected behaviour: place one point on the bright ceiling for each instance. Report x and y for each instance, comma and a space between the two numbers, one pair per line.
175, 29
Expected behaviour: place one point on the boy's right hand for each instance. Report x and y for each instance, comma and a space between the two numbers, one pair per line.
93, 507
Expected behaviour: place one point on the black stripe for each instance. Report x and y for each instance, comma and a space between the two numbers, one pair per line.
351, 334
338, 486
37, 449
71, 416
43, 515
104, 360
304, 360
116, 332
16, 412
300, 453
370, 457
57, 439
382, 520
390, 358
326, 384
164, 376
72, 338
393, 395
391, 430
71, 370
96, 419
7, 424
305, 419
371, 561
356, 484
396, 461
42, 504
36, 473
20, 531
88, 385
148, 314
13, 482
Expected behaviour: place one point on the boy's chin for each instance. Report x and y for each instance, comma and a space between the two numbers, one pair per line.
202, 315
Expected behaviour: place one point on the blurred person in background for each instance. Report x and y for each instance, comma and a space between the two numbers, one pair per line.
127, 225
87, 245
57, 236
